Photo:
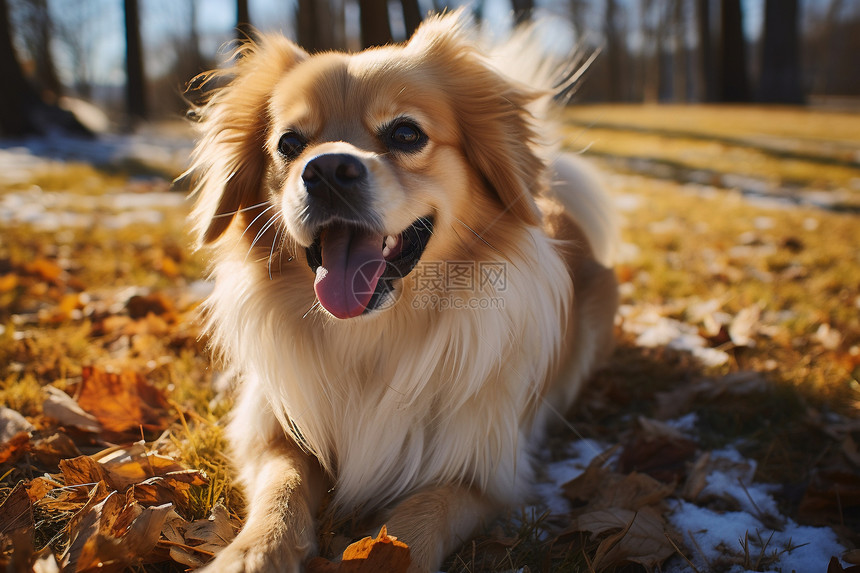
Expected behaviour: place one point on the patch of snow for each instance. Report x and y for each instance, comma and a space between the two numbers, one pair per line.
712, 537
685, 424
578, 455
654, 330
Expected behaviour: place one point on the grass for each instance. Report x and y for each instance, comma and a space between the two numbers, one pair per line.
64, 304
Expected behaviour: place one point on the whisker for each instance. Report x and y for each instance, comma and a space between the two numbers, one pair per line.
262, 232
242, 210
254, 220
272, 251
311, 309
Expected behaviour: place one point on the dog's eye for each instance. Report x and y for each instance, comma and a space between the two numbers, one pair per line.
291, 144
405, 136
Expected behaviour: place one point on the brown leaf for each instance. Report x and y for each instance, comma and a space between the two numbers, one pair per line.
82, 470
657, 450
128, 465
16, 511
385, 554
122, 402
113, 534
585, 485
836, 567
156, 303
12, 423
63, 408
51, 449
14, 448
173, 487
189, 542
641, 537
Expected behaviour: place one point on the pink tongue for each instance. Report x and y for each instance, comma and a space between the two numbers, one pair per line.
351, 266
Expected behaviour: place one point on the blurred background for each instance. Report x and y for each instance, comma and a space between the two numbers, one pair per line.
133, 58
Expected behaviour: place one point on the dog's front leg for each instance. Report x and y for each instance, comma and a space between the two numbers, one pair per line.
284, 487
435, 521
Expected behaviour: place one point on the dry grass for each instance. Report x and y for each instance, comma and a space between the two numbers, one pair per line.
797, 268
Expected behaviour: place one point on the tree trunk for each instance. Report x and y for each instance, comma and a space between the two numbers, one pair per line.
46, 77
243, 20
780, 68
22, 111
411, 16
315, 30
734, 82
375, 25
16, 97
135, 85
613, 33
679, 56
705, 65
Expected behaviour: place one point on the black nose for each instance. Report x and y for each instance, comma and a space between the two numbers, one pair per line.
334, 177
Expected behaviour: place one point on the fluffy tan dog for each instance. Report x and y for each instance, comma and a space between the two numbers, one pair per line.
408, 282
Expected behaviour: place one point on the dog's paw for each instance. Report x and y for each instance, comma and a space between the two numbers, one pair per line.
242, 558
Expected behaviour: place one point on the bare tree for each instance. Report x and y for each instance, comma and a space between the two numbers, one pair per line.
734, 81
314, 26
243, 19
35, 28
135, 87
411, 16
780, 68
614, 33
16, 96
22, 111
705, 64
679, 52
375, 24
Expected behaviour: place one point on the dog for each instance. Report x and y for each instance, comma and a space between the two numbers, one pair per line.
411, 282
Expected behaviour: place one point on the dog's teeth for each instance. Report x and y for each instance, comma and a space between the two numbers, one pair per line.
389, 244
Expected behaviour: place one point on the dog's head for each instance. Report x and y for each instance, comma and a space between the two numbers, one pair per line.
365, 164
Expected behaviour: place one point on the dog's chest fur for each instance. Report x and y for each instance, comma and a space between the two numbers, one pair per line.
413, 399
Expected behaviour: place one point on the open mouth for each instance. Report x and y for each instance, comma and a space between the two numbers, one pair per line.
356, 268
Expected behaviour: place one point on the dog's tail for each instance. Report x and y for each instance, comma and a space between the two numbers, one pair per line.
578, 187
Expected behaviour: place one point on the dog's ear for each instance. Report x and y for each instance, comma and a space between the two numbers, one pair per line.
229, 162
497, 129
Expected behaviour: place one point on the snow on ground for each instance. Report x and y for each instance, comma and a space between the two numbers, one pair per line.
141, 202
714, 538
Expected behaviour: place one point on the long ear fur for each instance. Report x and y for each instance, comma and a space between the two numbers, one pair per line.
496, 126
229, 161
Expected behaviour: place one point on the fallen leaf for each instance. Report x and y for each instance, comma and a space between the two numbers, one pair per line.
385, 554
189, 542
583, 487
156, 303
113, 534
122, 402
128, 465
44, 269
63, 408
14, 435
82, 470
16, 511
49, 450
12, 423
173, 487
641, 539
657, 450
14, 447
836, 567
